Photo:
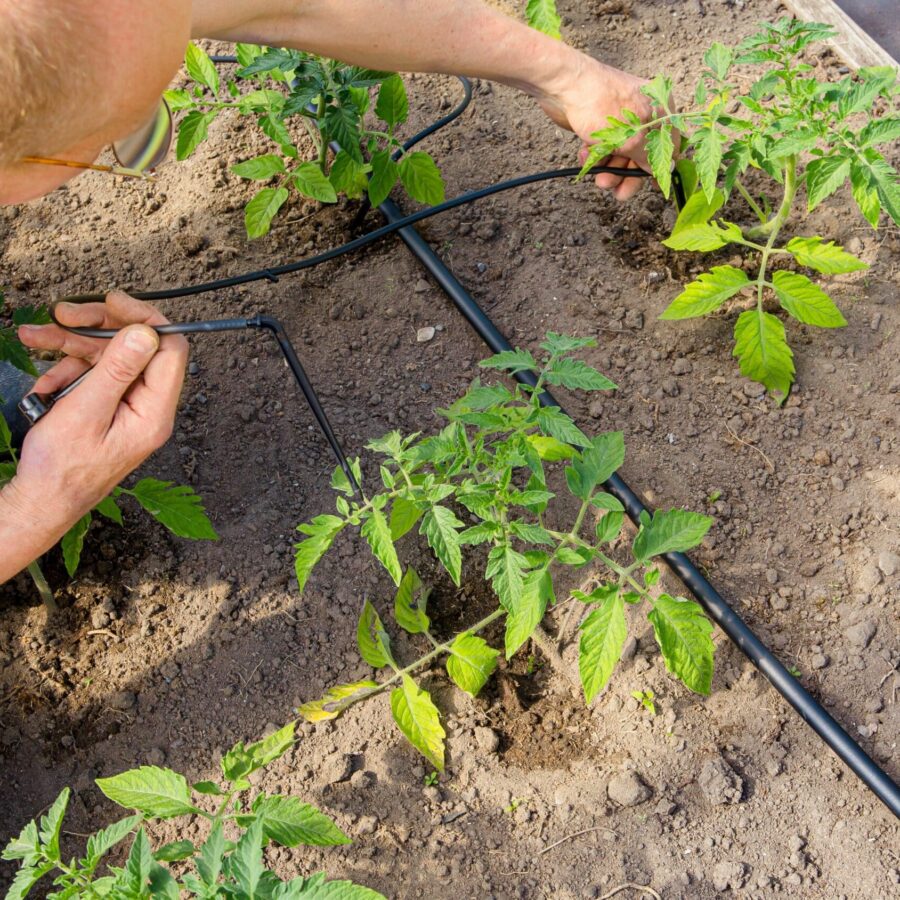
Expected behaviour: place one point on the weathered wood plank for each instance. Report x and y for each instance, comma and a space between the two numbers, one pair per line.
851, 42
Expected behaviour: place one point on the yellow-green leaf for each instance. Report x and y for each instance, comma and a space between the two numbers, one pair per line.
764, 354
336, 700
471, 662
707, 293
829, 258
419, 720
805, 301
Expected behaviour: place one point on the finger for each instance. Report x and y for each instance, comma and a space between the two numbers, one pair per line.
124, 359
116, 311
606, 180
155, 397
629, 186
60, 376
52, 337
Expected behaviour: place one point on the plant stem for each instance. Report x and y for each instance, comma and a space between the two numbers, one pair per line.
323, 146
750, 202
774, 226
37, 576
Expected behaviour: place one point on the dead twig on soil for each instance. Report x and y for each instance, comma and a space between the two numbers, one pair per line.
105, 632
643, 888
570, 837
740, 440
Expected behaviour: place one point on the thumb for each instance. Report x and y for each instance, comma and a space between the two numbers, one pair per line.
121, 364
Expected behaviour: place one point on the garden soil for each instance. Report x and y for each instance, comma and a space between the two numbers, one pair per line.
167, 652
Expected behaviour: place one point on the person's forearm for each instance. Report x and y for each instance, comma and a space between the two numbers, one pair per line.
464, 37
27, 530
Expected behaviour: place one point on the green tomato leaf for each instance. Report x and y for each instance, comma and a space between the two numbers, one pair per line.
260, 211
404, 515
441, 528
764, 354
553, 422
336, 700
506, 570
107, 507
289, 822
824, 176
260, 168
707, 293
826, 258
321, 534
410, 602
660, 150
192, 132
422, 178
806, 302
527, 610
101, 842
392, 105
385, 173
471, 662
542, 15
156, 793
348, 176
550, 449
609, 526
577, 375
703, 237
370, 638
176, 507
309, 180
377, 532
602, 456
419, 720
72, 543
683, 634
201, 68
708, 157
671, 530
603, 635
174, 851
51, 824
511, 361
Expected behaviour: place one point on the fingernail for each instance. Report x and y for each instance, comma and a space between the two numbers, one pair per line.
142, 339
65, 307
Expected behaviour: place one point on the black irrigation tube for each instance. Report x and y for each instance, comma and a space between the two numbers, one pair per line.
810, 710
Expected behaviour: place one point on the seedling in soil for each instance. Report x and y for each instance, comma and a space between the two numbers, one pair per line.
217, 867
645, 698
176, 507
329, 101
794, 131
492, 464
431, 779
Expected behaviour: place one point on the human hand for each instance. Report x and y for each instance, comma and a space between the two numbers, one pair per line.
582, 99
111, 422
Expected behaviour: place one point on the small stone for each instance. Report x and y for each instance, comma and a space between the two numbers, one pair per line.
123, 700
363, 779
422, 286
634, 318
819, 661
729, 875
337, 768
596, 409
423, 335
487, 739
719, 783
869, 578
889, 563
861, 634
627, 789
811, 568
822, 458
156, 756
681, 366
367, 825
193, 369
837, 482
99, 618
772, 576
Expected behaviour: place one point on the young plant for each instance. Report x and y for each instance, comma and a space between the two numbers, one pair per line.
543, 15
228, 863
489, 464
176, 507
795, 130
330, 100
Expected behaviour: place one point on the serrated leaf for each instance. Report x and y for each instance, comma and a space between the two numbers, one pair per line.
703, 237
201, 68
554, 422
210, 788
609, 526
209, 862
289, 822
25, 879
392, 105
341, 124
369, 631
708, 158
506, 571
527, 610
108, 508
377, 532
51, 824
27, 846
422, 178
404, 515
707, 293
262, 208
192, 131
409, 603
550, 449
419, 720
542, 15
531, 533
577, 375
603, 455
272, 746
336, 700
348, 176
175, 506
511, 361
805, 301
385, 173
829, 258
72, 543
670, 531
824, 176
260, 167
441, 528
317, 888
883, 178
719, 58
311, 182
880, 131
683, 634
660, 150
321, 534
764, 354
245, 863
155, 792
471, 662
603, 635
104, 840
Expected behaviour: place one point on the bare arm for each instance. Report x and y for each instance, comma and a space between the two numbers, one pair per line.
464, 37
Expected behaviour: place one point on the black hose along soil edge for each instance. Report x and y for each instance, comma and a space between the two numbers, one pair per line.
812, 712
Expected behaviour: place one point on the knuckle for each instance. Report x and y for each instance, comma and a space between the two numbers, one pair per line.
120, 370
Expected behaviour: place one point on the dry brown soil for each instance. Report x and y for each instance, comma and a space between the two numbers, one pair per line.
169, 652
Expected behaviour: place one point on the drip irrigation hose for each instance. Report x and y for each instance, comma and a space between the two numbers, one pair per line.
812, 712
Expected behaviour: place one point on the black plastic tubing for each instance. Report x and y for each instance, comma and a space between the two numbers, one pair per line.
812, 712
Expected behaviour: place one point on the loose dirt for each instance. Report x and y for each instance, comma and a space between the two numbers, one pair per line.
168, 652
